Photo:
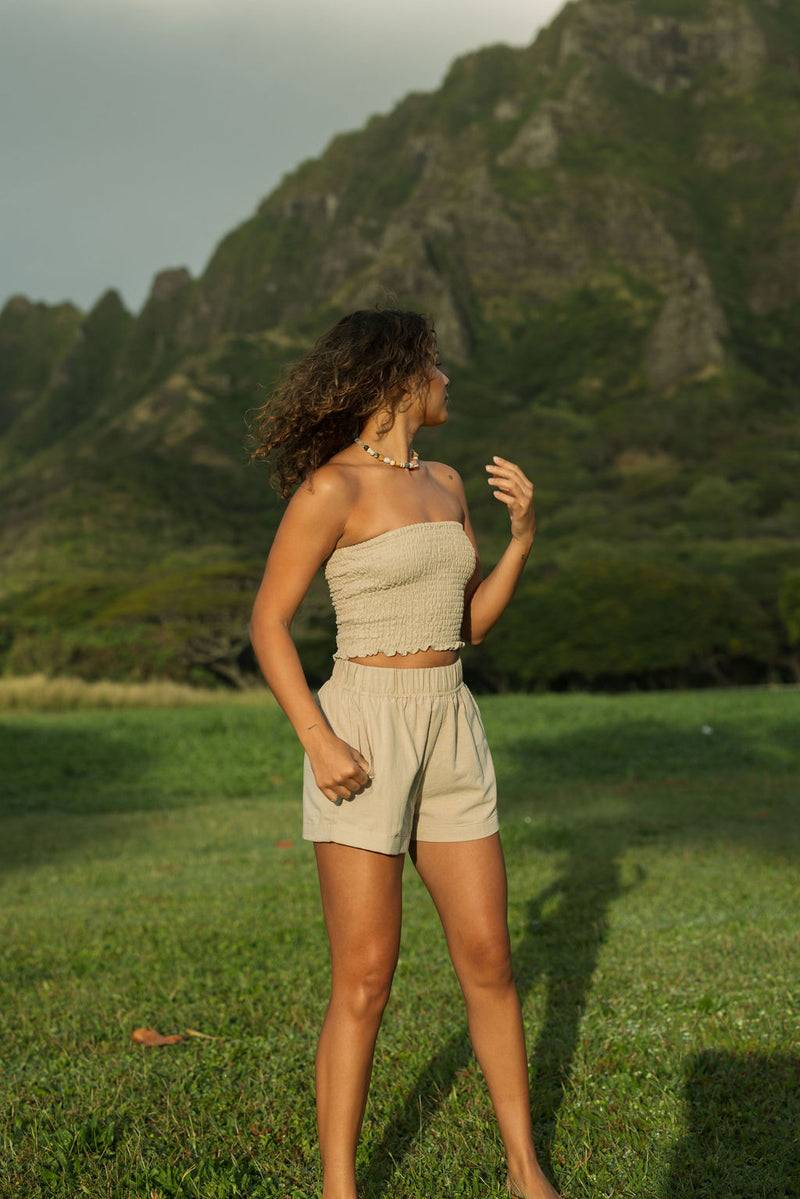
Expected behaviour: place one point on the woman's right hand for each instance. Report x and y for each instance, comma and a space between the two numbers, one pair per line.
339, 769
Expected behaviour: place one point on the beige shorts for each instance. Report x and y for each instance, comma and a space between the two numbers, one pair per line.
432, 777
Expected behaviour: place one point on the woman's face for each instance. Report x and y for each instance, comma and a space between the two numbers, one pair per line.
433, 398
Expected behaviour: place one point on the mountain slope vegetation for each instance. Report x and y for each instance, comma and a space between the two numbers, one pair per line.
606, 228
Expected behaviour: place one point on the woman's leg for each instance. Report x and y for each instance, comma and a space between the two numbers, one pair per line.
467, 881
361, 901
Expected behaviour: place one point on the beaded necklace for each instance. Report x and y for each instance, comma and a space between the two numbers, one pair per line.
412, 465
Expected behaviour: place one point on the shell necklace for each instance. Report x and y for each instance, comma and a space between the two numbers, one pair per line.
412, 465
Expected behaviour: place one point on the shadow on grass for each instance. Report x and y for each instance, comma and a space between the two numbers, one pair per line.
645, 749
58, 771
561, 948
666, 783
742, 1140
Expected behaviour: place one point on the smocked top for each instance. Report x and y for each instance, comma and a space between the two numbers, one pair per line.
402, 591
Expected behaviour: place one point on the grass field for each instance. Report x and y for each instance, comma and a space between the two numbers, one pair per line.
652, 846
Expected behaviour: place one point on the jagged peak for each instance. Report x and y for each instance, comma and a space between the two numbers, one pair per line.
16, 305
666, 44
109, 301
167, 284
20, 305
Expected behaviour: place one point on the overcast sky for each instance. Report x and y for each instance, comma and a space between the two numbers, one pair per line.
135, 133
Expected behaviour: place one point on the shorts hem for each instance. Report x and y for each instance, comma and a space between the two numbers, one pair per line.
376, 843
458, 832
357, 839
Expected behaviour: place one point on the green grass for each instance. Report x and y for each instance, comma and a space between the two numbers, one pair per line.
652, 870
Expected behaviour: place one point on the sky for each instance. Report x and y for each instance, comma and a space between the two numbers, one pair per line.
134, 134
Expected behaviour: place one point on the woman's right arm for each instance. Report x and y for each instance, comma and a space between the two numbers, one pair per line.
307, 535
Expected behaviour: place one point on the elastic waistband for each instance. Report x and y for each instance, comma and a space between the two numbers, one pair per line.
388, 680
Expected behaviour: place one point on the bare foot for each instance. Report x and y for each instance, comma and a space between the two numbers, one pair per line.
531, 1185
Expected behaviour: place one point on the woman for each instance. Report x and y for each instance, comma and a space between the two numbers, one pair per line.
396, 757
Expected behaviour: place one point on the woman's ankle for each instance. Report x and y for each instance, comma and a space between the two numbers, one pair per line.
530, 1182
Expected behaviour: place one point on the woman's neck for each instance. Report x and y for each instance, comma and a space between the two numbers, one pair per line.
395, 442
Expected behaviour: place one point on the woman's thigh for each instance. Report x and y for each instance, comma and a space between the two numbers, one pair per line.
362, 905
467, 882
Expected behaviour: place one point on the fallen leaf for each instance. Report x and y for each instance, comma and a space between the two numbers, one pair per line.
284, 844
192, 1032
149, 1036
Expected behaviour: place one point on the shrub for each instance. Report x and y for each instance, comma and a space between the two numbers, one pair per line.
789, 605
617, 623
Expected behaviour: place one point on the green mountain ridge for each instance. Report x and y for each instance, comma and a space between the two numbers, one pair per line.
606, 228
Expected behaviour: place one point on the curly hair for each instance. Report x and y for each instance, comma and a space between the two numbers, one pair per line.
367, 361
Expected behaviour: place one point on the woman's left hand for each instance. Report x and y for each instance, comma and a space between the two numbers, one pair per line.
515, 490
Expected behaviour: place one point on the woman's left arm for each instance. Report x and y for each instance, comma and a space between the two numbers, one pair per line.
486, 599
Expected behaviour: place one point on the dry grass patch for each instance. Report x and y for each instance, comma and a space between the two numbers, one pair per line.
39, 693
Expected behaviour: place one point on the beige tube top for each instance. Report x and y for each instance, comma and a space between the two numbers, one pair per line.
402, 591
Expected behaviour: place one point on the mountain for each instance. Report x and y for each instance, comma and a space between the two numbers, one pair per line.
606, 227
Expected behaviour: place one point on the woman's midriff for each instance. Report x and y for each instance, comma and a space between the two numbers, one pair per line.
425, 657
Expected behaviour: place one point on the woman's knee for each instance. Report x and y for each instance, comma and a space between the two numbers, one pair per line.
483, 959
363, 982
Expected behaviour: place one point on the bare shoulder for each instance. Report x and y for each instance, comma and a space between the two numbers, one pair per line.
446, 477
332, 483
450, 481
318, 510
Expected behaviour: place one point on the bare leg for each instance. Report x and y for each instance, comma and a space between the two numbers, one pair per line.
467, 882
361, 902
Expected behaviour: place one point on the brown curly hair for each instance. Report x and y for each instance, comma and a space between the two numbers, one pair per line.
368, 360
